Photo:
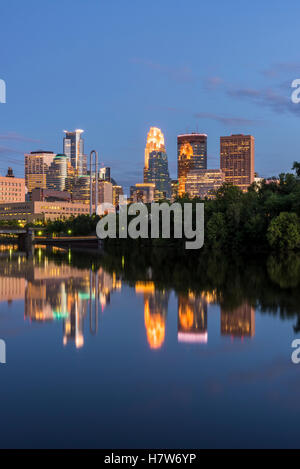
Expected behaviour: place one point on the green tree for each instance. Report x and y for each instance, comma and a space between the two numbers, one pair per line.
216, 231
284, 232
296, 167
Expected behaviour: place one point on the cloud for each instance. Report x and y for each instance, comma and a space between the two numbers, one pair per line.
230, 121
278, 69
212, 83
269, 98
179, 74
13, 136
225, 120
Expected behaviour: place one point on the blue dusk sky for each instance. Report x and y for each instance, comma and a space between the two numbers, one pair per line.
115, 67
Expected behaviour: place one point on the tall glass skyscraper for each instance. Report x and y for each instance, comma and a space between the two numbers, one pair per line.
156, 169
192, 154
58, 173
74, 149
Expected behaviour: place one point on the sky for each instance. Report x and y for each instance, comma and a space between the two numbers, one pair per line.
115, 68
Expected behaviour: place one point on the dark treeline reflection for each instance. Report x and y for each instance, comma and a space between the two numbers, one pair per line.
74, 287
267, 283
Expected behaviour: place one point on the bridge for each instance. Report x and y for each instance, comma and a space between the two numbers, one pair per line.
25, 236
26, 239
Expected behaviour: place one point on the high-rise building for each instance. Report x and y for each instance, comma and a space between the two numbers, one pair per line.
117, 193
105, 192
174, 189
58, 173
12, 189
37, 164
192, 154
74, 149
104, 173
81, 190
156, 164
237, 159
203, 182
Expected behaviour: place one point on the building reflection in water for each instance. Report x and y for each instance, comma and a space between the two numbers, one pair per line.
61, 292
238, 322
192, 318
53, 292
155, 312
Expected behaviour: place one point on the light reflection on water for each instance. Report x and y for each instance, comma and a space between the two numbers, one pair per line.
199, 358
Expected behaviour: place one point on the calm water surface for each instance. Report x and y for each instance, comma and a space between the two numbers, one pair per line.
124, 353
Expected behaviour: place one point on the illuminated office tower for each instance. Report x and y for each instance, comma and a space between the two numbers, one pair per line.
192, 154
117, 193
81, 190
203, 182
74, 149
174, 189
37, 164
237, 159
156, 164
58, 173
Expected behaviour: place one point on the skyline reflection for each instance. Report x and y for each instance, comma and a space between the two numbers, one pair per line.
56, 290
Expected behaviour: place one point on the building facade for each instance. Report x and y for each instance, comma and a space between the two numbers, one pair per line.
58, 173
237, 159
156, 169
174, 189
104, 173
12, 189
142, 193
37, 164
117, 193
105, 192
74, 149
81, 190
204, 182
28, 212
191, 154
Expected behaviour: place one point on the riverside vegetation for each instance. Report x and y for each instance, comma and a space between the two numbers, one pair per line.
265, 218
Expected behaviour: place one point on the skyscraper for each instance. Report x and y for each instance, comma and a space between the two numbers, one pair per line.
237, 159
74, 149
58, 173
192, 154
104, 173
37, 164
117, 193
156, 164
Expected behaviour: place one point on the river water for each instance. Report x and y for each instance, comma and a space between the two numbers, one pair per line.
148, 351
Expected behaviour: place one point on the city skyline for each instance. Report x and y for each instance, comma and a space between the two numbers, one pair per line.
152, 83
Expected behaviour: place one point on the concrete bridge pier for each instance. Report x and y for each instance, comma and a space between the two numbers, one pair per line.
26, 240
